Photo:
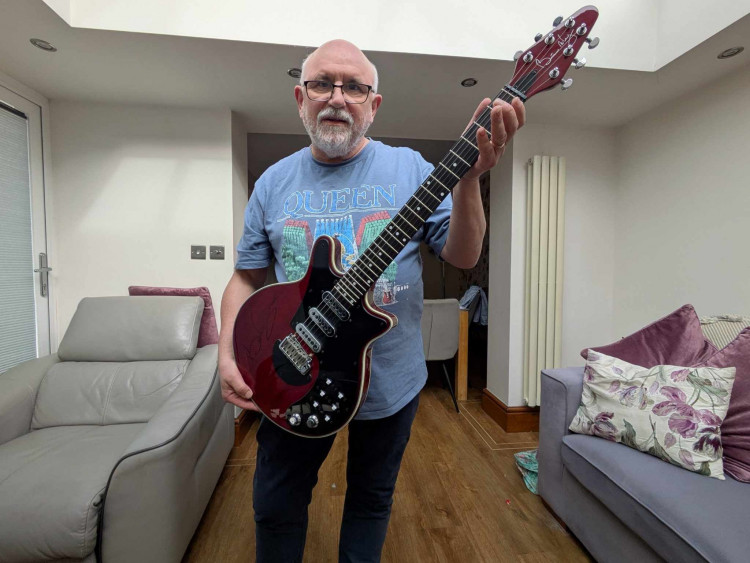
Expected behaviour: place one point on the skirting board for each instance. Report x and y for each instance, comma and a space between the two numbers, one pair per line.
510, 419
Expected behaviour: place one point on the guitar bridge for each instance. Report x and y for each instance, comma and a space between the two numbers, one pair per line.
296, 354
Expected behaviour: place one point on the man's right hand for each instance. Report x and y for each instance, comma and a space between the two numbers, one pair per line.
233, 388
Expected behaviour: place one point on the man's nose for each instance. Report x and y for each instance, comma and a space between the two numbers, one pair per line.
337, 98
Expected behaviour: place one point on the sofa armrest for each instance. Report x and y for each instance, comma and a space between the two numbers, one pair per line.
159, 488
18, 388
561, 395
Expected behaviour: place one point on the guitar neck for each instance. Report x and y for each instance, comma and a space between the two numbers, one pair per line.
371, 264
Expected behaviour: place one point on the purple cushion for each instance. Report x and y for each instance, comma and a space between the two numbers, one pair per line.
208, 333
674, 340
735, 431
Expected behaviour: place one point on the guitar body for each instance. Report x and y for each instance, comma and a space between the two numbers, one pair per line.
304, 347
336, 385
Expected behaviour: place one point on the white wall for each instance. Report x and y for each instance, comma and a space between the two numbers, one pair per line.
683, 24
683, 207
500, 246
134, 187
483, 29
589, 266
239, 180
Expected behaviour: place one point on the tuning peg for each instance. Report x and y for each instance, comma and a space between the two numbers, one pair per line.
558, 21
538, 36
592, 42
517, 55
566, 83
579, 63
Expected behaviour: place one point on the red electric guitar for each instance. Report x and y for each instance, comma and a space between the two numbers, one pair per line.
304, 347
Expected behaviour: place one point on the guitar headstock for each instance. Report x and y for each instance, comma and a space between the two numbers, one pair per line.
544, 64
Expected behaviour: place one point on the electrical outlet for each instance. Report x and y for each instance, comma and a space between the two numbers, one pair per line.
198, 252
217, 253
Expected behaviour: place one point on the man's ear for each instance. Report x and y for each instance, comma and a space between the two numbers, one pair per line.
377, 99
299, 95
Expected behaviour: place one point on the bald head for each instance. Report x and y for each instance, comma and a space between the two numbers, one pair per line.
344, 54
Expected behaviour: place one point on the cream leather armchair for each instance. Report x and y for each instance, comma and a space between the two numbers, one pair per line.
111, 449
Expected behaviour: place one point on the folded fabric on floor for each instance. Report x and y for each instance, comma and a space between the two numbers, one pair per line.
529, 468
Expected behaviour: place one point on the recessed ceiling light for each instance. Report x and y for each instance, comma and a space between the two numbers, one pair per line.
294, 72
468, 82
732, 51
43, 45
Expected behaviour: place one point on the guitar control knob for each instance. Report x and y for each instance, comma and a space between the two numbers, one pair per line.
328, 381
538, 36
340, 395
312, 421
567, 83
592, 42
335, 407
295, 419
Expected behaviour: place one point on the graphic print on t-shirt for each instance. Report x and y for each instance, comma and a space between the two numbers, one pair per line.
298, 239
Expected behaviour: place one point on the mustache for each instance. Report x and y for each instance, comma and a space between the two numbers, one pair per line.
335, 113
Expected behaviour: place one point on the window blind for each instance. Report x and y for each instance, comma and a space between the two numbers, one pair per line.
17, 307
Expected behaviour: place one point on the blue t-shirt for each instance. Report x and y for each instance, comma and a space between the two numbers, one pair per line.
299, 198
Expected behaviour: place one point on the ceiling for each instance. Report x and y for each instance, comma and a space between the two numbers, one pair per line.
422, 96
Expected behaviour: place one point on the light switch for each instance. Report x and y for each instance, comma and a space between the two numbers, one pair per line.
198, 252
217, 253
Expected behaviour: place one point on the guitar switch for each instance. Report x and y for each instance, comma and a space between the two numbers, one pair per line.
312, 421
295, 419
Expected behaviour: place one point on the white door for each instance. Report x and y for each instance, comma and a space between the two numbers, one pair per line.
24, 293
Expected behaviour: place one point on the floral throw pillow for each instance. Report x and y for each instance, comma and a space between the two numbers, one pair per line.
673, 413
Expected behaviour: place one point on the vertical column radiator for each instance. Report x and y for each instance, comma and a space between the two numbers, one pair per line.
545, 228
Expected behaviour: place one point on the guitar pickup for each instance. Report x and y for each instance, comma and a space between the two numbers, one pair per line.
322, 322
308, 337
338, 309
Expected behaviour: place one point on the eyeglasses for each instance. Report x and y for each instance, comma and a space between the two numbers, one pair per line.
322, 91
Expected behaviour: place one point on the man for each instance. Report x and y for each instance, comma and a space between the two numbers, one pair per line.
348, 186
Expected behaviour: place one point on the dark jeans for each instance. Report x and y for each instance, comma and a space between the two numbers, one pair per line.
287, 470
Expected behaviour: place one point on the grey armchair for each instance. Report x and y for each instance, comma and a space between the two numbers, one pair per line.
111, 449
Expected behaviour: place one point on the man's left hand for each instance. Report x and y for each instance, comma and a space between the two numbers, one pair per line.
505, 120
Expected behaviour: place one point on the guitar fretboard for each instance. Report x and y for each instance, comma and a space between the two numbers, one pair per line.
371, 264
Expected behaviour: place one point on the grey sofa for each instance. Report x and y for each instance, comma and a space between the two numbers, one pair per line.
624, 505
111, 449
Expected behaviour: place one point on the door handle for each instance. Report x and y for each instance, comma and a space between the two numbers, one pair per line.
44, 271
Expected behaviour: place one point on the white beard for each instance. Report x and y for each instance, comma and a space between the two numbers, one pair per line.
335, 141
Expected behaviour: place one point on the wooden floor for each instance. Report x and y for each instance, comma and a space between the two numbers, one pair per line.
459, 498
